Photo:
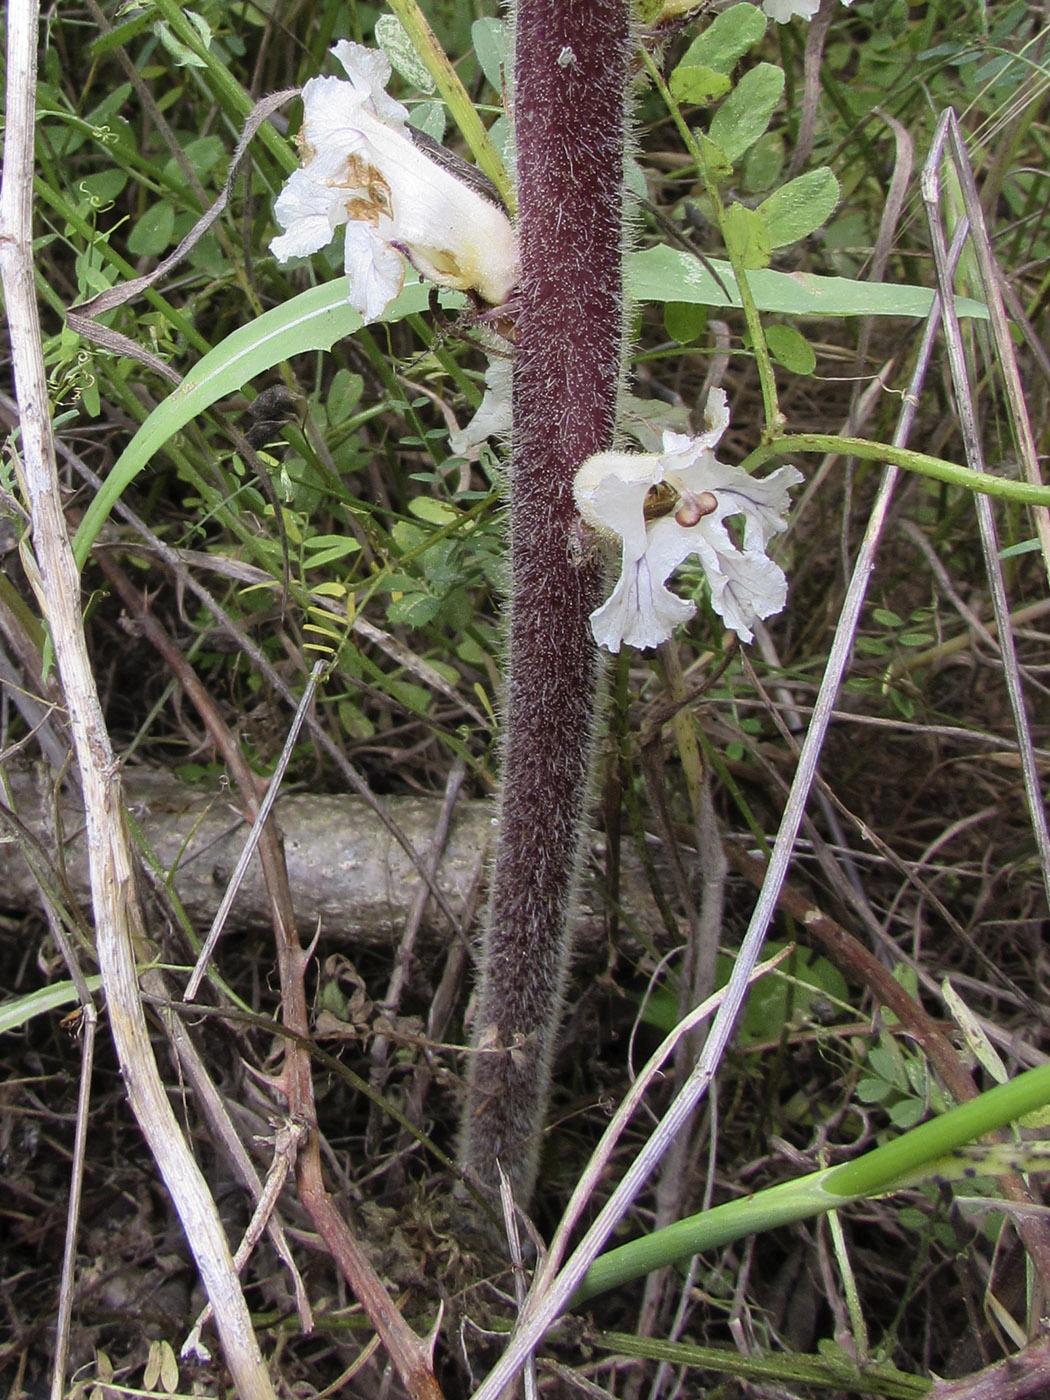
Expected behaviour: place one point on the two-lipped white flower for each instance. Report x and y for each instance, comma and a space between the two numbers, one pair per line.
361, 168
784, 10
667, 506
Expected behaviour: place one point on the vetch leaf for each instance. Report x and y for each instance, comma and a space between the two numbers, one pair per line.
684, 322
429, 118
976, 1038
791, 349
152, 234
697, 84
180, 52
433, 511
153, 1367
326, 549
489, 37
798, 208
169, 1369
747, 236
395, 43
763, 163
746, 112
727, 38
719, 166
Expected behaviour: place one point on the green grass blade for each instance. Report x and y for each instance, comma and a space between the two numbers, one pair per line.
880, 1379
315, 320
17, 1011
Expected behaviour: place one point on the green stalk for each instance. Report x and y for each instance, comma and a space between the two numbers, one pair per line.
1021, 491
456, 97
774, 417
907, 1160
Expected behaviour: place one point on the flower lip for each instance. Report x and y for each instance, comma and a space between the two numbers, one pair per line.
696, 494
362, 169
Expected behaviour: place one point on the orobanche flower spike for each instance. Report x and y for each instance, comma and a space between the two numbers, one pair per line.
361, 168
666, 506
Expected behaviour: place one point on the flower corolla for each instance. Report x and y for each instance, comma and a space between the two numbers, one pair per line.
785, 10
493, 417
667, 506
361, 168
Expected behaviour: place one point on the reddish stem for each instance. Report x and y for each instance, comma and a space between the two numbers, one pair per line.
571, 80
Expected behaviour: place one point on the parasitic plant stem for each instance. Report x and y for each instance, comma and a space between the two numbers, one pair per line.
571, 79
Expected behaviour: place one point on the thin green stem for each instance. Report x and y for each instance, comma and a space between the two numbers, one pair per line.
1023, 492
774, 417
909, 1158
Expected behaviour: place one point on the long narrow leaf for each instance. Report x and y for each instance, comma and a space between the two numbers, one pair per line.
668, 274
314, 320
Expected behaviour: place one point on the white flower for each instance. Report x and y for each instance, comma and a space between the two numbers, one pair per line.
361, 168
620, 493
493, 415
784, 10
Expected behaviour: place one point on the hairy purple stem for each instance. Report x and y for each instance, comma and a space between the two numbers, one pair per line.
570, 88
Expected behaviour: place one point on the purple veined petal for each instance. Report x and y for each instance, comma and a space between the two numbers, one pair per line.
639, 611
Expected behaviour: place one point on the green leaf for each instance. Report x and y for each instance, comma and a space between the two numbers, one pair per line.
888, 1063
684, 322
746, 113
344, 395
763, 163
490, 39
800, 207
670, 274
182, 54
429, 118
152, 233
398, 47
326, 549
101, 189
314, 320
726, 39
698, 85
907, 1113
791, 349
169, 1369
747, 236
719, 166
203, 154
413, 609
434, 512
872, 1090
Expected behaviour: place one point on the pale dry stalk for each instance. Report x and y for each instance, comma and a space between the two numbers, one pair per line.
118, 918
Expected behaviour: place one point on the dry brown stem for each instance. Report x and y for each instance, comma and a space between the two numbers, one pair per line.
410, 1355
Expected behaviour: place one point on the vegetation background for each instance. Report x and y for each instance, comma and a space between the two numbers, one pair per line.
319, 506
